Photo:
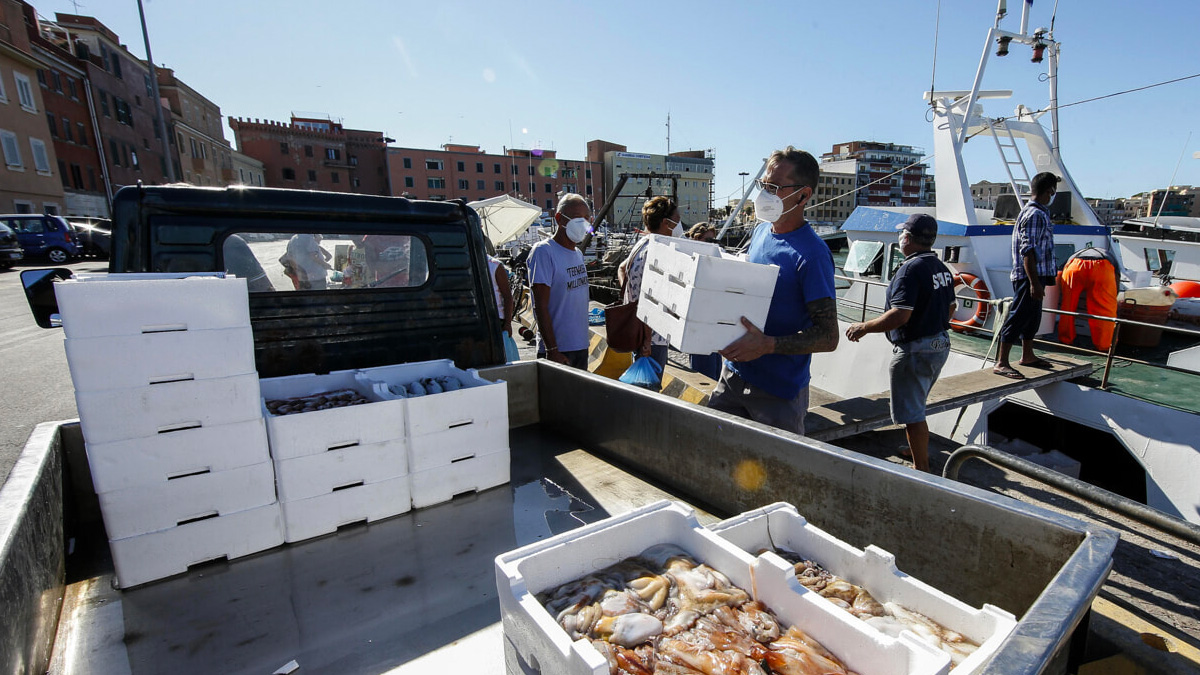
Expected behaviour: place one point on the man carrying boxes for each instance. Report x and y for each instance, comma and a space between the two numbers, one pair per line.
766, 372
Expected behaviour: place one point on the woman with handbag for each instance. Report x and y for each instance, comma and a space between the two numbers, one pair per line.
660, 215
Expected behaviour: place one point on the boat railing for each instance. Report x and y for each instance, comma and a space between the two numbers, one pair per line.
1109, 355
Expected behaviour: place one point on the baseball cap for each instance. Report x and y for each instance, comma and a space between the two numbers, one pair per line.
920, 225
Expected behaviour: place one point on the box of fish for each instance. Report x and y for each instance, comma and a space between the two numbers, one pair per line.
652, 590
866, 584
313, 414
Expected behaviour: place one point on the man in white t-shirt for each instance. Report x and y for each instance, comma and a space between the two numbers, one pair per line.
558, 278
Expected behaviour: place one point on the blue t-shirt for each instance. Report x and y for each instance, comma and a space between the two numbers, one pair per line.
805, 274
924, 285
563, 270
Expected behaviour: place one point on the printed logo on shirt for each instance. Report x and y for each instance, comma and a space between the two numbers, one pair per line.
578, 274
942, 279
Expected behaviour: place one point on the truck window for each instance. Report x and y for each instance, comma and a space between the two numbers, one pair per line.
306, 261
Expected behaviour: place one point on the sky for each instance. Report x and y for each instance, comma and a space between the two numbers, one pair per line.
740, 78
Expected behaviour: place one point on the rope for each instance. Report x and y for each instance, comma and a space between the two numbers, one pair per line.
1001, 317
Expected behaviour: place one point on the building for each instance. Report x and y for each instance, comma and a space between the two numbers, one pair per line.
833, 201
29, 180
468, 172
202, 155
65, 87
984, 193
687, 176
886, 174
315, 153
246, 170
1110, 212
1177, 200
127, 115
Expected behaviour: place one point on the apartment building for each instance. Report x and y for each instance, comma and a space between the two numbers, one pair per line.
886, 174
202, 155
314, 152
687, 176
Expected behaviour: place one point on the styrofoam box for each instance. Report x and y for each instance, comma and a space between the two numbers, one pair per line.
119, 414
314, 475
117, 465
148, 557
689, 337
704, 306
875, 570
678, 260
324, 514
150, 508
131, 304
471, 474
546, 564
313, 433
126, 361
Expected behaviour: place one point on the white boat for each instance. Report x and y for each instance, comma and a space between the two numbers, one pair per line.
1122, 424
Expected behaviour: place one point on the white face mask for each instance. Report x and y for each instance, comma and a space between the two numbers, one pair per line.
769, 207
677, 230
577, 229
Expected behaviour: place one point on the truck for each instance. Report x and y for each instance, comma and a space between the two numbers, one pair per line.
417, 592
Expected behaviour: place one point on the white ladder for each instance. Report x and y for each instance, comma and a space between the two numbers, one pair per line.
1017, 181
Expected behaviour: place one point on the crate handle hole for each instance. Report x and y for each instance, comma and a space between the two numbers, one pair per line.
199, 472
182, 426
196, 519
342, 446
347, 486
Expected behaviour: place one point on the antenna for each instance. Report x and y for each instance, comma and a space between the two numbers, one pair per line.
668, 132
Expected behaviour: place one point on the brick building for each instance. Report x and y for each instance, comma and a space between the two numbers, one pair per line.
29, 180
63, 81
315, 153
467, 172
126, 112
202, 155
889, 174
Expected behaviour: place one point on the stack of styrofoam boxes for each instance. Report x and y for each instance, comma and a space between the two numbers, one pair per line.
780, 527
695, 295
337, 466
540, 643
163, 367
458, 440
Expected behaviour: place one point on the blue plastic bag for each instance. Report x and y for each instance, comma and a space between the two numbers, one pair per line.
510, 348
645, 372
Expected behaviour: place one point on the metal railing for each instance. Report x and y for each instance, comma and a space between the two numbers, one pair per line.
1109, 355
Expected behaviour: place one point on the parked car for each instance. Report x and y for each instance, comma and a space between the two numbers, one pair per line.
43, 235
10, 248
94, 236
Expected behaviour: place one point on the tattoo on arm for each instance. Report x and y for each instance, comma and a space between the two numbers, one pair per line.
821, 337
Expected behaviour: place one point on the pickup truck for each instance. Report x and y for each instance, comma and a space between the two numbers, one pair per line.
417, 592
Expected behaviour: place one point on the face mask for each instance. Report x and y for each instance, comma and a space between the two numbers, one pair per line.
769, 207
676, 231
577, 229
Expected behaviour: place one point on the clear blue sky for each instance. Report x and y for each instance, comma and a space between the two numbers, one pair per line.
741, 78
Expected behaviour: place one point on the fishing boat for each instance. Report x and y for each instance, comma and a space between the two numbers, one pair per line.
1130, 426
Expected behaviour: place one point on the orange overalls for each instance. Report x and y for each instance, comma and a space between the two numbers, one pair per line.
1098, 278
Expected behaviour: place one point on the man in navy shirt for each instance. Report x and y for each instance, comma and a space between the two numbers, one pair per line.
916, 315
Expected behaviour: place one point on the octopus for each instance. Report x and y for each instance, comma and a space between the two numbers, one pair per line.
664, 613
888, 618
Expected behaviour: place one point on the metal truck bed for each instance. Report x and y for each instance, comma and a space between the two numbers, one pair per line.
416, 593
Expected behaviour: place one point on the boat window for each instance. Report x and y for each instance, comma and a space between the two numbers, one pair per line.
273, 261
865, 258
1062, 253
1158, 260
895, 259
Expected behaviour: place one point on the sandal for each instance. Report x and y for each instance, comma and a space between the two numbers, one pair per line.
1010, 373
1040, 364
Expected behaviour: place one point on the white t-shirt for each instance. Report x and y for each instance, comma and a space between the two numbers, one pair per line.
564, 271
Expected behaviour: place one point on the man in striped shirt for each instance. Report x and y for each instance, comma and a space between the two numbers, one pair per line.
1033, 269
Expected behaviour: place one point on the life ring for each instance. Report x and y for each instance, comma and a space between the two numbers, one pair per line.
967, 324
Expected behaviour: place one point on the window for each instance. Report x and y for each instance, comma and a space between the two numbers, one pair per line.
433, 165
408, 162
1159, 260
496, 168
532, 187
133, 159
514, 168
146, 81
312, 176
355, 182
57, 80
865, 258
289, 174
589, 189
461, 166
145, 143
895, 259
91, 179
115, 152
53, 124
549, 204
380, 261
67, 130
82, 134
530, 169
41, 76
195, 150
499, 186
549, 187
283, 147
104, 104
308, 152
408, 181
353, 160
24, 92
333, 153
4, 94
116, 65
62, 173
41, 160
478, 167
335, 177
12, 151
463, 184
516, 186
435, 183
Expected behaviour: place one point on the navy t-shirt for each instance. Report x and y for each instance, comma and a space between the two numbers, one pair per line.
924, 285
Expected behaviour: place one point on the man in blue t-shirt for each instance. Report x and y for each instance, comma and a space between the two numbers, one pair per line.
920, 300
558, 279
766, 372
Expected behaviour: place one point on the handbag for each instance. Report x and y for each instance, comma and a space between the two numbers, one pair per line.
625, 332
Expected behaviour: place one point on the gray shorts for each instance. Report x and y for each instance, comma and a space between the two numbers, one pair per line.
915, 367
734, 396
